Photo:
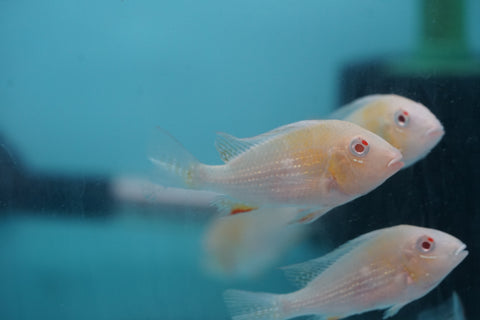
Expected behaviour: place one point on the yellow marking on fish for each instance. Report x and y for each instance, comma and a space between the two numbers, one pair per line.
373, 115
299, 139
188, 177
374, 118
338, 170
411, 276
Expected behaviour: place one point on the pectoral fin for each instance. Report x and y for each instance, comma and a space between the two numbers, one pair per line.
230, 147
228, 206
393, 310
309, 215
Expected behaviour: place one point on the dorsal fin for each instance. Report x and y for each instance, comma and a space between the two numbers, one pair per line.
346, 110
230, 147
302, 273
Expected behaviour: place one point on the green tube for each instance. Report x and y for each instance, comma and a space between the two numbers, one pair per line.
443, 48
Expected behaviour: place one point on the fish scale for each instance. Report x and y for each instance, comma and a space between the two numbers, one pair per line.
342, 292
274, 173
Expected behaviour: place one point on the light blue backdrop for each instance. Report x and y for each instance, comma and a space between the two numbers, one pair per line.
82, 83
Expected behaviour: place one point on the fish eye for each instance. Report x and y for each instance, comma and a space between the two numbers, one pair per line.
359, 147
402, 118
425, 244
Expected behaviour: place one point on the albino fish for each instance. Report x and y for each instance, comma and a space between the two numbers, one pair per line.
313, 165
383, 269
452, 309
245, 245
407, 125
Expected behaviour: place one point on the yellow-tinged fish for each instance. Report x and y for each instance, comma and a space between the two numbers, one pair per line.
405, 124
313, 165
383, 269
245, 245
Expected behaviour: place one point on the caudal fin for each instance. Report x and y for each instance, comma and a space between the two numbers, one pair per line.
244, 305
176, 165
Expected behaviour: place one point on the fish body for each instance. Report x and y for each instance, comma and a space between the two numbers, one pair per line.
245, 245
407, 125
383, 269
309, 164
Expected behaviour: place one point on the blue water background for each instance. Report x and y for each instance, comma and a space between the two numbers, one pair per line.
82, 84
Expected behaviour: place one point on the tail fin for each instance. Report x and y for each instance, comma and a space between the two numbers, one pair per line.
245, 305
177, 166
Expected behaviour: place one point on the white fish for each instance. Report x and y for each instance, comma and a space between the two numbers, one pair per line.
407, 125
313, 165
383, 269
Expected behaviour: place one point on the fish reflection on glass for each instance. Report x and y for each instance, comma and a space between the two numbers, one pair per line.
405, 124
313, 165
452, 309
383, 269
245, 245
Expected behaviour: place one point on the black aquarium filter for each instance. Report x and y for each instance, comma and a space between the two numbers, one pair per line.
50, 194
442, 190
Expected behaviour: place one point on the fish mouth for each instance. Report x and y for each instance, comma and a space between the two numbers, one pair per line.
460, 253
435, 132
461, 250
396, 163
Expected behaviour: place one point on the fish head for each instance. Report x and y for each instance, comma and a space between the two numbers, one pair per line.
361, 160
429, 255
410, 127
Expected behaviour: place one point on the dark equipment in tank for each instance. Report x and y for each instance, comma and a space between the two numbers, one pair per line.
442, 190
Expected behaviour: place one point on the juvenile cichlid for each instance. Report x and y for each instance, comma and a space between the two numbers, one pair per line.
245, 245
383, 269
312, 165
407, 125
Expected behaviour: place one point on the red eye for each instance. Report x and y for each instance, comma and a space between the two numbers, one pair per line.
425, 244
402, 118
359, 147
